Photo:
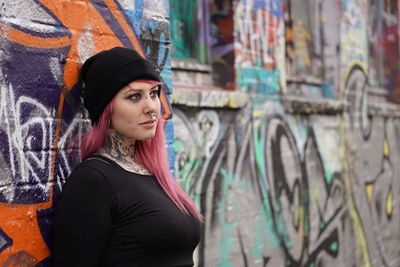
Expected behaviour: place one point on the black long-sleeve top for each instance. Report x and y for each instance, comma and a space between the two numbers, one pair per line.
108, 216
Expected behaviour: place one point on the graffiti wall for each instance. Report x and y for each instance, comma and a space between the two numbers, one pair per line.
43, 43
293, 165
304, 172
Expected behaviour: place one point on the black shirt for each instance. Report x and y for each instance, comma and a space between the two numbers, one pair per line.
108, 216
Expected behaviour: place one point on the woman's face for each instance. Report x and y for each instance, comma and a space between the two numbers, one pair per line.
133, 106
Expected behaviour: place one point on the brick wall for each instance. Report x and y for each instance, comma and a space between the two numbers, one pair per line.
43, 43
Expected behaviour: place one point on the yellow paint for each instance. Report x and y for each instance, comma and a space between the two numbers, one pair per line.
386, 150
346, 74
257, 113
232, 103
389, 203
355, 218
369, 188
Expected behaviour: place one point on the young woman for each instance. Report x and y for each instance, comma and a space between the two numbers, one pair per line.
121, 206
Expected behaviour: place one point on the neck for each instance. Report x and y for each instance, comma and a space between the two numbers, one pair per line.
121, 149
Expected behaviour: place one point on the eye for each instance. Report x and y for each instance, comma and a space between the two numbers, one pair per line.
134, 97
154, 93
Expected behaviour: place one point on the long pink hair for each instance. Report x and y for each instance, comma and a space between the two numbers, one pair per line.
151, 153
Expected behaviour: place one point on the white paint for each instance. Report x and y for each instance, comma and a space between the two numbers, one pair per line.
27, 14
26, 161
85, 45
153, 9
127, 4
253, 34
209, 126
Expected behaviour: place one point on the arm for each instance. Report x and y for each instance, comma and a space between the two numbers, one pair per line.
83, 219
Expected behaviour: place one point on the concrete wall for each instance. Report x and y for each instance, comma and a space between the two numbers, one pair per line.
285, 122
297, 165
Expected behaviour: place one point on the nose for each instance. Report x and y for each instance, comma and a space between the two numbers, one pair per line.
149, 104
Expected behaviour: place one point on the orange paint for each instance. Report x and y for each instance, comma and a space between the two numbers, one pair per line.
19, 222
26, 39
164, 102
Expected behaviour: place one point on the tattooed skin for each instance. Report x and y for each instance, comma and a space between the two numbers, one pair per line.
121, 149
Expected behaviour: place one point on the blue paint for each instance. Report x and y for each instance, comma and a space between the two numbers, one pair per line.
161, 49
327, 90
259, 4
169, 139
275, 8
5, 241
166, 74
153, 24
136, 16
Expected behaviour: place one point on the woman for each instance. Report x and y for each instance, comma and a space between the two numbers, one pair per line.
121, 206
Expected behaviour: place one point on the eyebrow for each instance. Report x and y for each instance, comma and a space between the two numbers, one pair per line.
139, 89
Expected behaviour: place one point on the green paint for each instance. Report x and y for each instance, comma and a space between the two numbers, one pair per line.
177, 145
260, 81
202, 53
197, 199
186, 170
185, 173
312, 264
259, 242
272, 239
183, 27
321, 225
267, 227
328, 174
225, 243
334, 246
190, 167
259, 151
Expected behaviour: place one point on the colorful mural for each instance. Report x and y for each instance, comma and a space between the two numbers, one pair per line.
43, 44
258, 47
305, 173
302, 172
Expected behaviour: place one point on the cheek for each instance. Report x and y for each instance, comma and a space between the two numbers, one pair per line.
158, 106
123, 116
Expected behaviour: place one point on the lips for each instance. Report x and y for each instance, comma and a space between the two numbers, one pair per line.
148, 123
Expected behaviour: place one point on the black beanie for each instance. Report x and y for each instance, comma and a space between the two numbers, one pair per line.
105, 73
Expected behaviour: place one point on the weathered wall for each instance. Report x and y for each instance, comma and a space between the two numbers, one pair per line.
297, 167
293, 165
43, 42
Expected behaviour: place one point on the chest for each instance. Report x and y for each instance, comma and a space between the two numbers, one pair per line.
144, 217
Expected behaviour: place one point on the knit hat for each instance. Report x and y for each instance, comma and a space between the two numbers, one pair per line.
105, 73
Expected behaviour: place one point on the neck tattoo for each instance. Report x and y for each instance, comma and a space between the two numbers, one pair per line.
122, 150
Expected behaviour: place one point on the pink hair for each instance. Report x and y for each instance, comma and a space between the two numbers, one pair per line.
151, 153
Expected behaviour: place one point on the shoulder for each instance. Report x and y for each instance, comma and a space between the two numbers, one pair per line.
89, 174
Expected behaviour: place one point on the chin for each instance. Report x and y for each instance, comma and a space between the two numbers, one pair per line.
146, 137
